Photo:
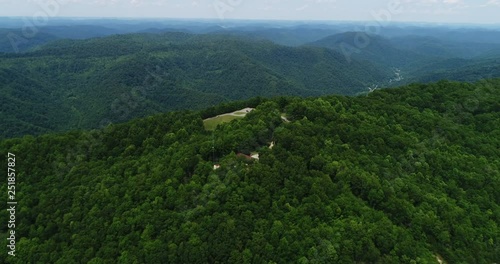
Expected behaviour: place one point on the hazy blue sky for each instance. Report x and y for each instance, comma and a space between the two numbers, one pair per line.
448, 11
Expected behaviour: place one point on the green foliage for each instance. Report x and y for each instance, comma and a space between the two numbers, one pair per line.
420, 58
373, 48
211, 124
397, 176
82, 84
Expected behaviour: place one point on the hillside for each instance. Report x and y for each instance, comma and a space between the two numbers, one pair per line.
395, 176
373, 48
22, 40
87, 83
294, 36
420, 58
437, 47
12, 40
457, 69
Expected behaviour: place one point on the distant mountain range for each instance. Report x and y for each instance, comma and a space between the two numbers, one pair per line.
71, 84
128, 143
419, 58
80, 76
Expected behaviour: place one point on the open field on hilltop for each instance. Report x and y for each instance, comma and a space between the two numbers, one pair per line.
213, 122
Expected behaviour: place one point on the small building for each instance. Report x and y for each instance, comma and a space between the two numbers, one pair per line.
253, 156
271, 146
244, 156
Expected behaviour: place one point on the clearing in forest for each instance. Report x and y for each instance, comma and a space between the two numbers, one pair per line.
212, 122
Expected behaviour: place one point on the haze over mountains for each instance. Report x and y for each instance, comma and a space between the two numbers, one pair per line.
78, 74
291, 33
360, 148
87, 81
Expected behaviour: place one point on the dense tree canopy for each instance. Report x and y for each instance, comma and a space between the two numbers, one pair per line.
395, 176
83, 84
87, 83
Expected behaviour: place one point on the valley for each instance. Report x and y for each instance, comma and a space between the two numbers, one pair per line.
250, 141
102, 77
393, 176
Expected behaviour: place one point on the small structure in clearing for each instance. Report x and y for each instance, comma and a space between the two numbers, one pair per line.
252, 156
212, 122
271, 146
247, 157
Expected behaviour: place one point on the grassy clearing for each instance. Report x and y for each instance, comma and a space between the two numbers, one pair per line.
211, 123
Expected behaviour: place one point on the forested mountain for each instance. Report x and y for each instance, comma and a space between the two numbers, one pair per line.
25, 39
294, 36
447, 33
420, 58
290, 33
81, 74
12, 40
406, 51
457, 69
436, 47
373, 48
71, 84
402, 175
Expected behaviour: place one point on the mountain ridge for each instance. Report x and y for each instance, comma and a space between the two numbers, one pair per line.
93, 76
395, 176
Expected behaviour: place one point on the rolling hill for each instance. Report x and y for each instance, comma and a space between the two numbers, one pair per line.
373, 48
91, 82
87, 75
420, 58
404, 175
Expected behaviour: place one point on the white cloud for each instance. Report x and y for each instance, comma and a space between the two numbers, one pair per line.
464, 11
435, 7
136, 2
304, 7
491, 3
105, 2
433, 2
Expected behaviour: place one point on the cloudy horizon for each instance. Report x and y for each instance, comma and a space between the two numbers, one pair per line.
430, 11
